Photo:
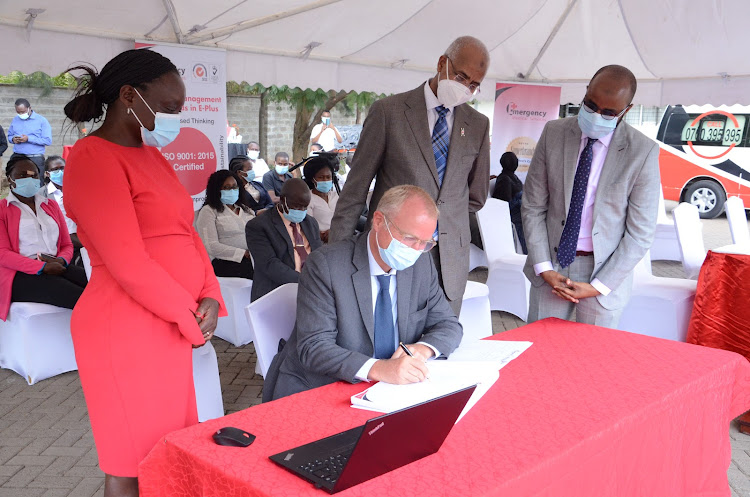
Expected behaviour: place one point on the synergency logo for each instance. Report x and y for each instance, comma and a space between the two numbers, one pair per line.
513, 110
376, 428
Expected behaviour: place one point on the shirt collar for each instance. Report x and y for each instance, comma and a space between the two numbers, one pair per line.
431, 100
606, 140
375, 269
38, 199
52, 189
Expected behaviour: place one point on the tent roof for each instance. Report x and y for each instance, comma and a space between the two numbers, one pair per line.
679, 54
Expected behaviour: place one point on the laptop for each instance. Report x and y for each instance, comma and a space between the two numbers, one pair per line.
381, 445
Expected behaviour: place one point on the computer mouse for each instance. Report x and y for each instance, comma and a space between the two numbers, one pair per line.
233, 437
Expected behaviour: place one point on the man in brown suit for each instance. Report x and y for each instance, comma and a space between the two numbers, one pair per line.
428, 137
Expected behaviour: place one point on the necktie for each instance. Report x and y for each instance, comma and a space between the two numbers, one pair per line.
566, 252
385, 335
440, 142
299, 244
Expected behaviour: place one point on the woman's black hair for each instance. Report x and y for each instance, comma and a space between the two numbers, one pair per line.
213, 188
237, 163
15, 159
313, 165
95, 91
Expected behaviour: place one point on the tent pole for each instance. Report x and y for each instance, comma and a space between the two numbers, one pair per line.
551, 37
172, 14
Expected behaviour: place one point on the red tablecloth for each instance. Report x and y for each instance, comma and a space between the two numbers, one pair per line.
721, 313
585, 411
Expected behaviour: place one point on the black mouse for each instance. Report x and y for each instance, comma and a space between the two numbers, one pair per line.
233, 437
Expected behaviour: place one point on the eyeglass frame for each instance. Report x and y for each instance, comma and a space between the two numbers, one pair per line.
428, 244
462, 77
609, 117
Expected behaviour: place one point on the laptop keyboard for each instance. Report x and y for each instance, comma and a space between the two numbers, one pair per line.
328, 469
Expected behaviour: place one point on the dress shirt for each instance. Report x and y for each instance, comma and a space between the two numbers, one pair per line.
375, 271
223, 233
327, 140
297, 260
38, 130
272, 183
432, 115
37, 233
57, 194
321, 210
585, 242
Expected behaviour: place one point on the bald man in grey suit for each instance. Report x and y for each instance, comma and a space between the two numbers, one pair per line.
406, 140
589, 206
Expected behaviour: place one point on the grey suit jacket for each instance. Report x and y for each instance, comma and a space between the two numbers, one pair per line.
334, 333
625, 207
395, 147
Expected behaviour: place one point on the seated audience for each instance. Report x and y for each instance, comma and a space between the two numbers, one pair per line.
252, 193
273, 180
509, 187
348, 327
221, 225
319, 178
35, 248
280, 239
54, 167
259, 165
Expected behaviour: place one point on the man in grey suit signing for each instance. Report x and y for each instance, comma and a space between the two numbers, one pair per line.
589, 206
428, 137
360, 297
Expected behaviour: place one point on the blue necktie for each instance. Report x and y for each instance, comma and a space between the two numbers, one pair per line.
566, 252
385, 335
440, 142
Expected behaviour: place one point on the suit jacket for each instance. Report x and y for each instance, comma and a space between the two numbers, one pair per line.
395, 147
625, 207
334, 333
271, 247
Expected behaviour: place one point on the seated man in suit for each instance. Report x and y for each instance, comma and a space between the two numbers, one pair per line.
281, 238
358, 298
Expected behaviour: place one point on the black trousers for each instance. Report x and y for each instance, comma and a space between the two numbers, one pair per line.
231, 269
62, 291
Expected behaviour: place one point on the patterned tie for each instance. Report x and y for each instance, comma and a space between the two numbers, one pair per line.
440, 142
299, 244
566, 252
385, 335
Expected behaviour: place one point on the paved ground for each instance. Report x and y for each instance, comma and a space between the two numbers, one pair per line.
46, 447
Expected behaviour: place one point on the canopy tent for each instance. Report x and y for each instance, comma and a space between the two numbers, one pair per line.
681, 52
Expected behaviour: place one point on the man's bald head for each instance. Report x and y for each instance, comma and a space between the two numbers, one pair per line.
466, 57
296, 194
468, 47
618, 78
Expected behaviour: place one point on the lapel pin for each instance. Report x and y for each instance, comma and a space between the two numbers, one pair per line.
462, 132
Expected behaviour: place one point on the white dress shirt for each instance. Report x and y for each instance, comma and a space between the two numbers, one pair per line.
585, 241
57, 194
37, 233
432, 115
327, 140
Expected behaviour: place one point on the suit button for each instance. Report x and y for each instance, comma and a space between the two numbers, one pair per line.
555, 249
563, 222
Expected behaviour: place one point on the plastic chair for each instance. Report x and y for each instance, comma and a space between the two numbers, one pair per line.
35, 341
476, 316
689, 230
476, 257
271, 319
207, 383
737, 218
509, 288
665, 246
658, 307
233, 327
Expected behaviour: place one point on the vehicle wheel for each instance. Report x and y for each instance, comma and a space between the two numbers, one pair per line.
708, 197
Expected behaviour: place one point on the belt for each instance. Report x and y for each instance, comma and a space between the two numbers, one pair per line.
580, 253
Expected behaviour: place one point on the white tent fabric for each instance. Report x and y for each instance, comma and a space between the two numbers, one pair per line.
681, 52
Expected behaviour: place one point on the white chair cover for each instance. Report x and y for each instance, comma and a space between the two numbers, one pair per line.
509, 288
233, 328
476, 316
272, 318
476, 257
665, 246
86, 262
35, 341
737, 218
207, 383
690, 237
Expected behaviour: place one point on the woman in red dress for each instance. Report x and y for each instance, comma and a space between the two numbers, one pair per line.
152, 293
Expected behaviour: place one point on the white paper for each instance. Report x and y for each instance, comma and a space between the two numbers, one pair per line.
498, 352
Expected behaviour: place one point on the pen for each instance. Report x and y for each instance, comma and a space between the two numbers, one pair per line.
406, 349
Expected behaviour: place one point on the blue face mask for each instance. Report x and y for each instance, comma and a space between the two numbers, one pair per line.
56, 176
593, 125
397, 255
250, 175
26, 187
166, 127
294, 215
324, 186
282, 170
230, 197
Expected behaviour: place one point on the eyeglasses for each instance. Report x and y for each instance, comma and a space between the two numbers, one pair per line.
465, 80
607, 114
411, 240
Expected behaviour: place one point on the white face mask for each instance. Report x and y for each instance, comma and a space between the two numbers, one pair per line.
253, 154
451, 93
24, 116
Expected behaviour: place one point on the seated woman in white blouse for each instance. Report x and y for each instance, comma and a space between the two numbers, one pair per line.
320, 177
221, 225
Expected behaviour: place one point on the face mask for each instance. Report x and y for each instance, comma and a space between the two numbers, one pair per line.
324, 186
230, 197
294, 215
56, 176
593, 125
26, 187
326, 120
397, 255
253, 154
24, 116
452, 93
166, 127
250, 175
282, 170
